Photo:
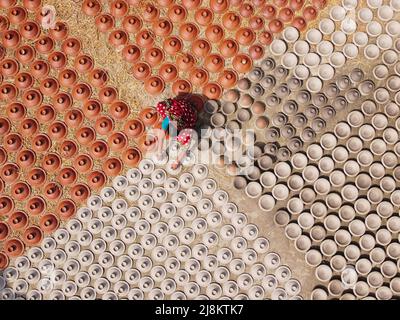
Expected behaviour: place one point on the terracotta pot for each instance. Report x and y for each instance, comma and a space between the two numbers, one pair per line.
83, 63
118, 38
149, 116
98, 78
52, 191
67, 176
32, 236
256, 52
104, 125
231, 21
198, 76
36, 177
310, 13
49, 86
145, 39
112, 167
99, 149
5, 126
30, 30
154, 56
119, 8
4, 23
154, 85
131, 157
80, 192
8, 92
6, 205
165, 3
96, 180
12, 142
204, 16
20, 191
66, 209
177, 13
25, 54
25, 158
256, 23
185, 62
71, 46
188, 31
49, 223
201, 48
85, 135
147, 143
10, 173
92, 109
41, 143
35, 206
275, 26
68, 149
62, 101
14, 247
10, 38
4, 231
150, 13
57, 60
181, 86
18, 220
45, 113
141, 70
191, 4
9, 67
108, 95
214, 33
134, 128
228, 48
39, 69
4, 261
245, 36
60, 31
242, 63
162, 27
168, 72
286, 15
73, 118
117, 141
119, 110
23, 80
81, 91
32, 5
131, 53
296, 4
228, 78
105, 22
91, 7
299, 23
83, 163
219, 6
246, 10
67, 78
15, 111
51, 162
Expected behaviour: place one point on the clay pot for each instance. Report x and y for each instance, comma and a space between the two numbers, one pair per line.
8, 91
119, 8
149, 116
85, 135
154, 85
9, 67
68, 149
104, 125
71, 46
299, 23
246, 10
14, 247
185, 62
4, 261
105, 22
162, 27
204, 16
112, 167
131, 24
99, 149
32, 236
141, 71
188, 31
98, 78
10, 38
212, 90
131, 53
147, 143
242, 63
16, 111
145, 39
67, 78
30, 30
296, 4
49, 223
3, 155
96, 180
36, 177
286, 15
118, 38
201, 48
4, 23
18, 220
28, 127
168, 72
62, 101
23, 80
92, 109
117, 141
83, 63
108, 95
214, 33
219, 6
10, 173
131, 157
6, 205
4, 231
310, 13
256, 52
177, 13
154, 56
25, 158
245, 36
83, 163
52, 191
91, 7
150, 13
181, 86
32, 5
231, 21
214, 63
256, 23
165, 3
198, 76
20, 191
67, 176
57, 60
45, 113
134, 128
39, 69
12, 142
275, 26
172, 45
66, 209
80, 192
81, 91
49, 86
35, 206
59, 32
51, 162
25, 54
228, 78
5, 126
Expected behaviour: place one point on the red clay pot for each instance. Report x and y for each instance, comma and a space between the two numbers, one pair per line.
119, 110
83, 63
14, 247
16, 111
71, 46
92, 109
105, 22
18, 220
73, 118
67, 78
204, 16
23, 80
57, 60
154, 85
20, 191
134, 128
168, 72
45, 113
10, 38
104, 125
117, 141
12, 142
25, 158
99, 149
39, 69
52, 191
83, 163
25, 54
177, 13
201, 48
51, 162
131, 53
68, 149
67, 176
57, 130
36, 177
9, 67
112, 167
141, 70
81, 91
181, 86
62, 101
66, 209
98, 78
49, 223
49, 86
80, 192
28, 127
6, 205
119, 8
132, 24
59, 32
149, 116
91, 7
198, 76
85, 135
96, 180
35, 206
30, 30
